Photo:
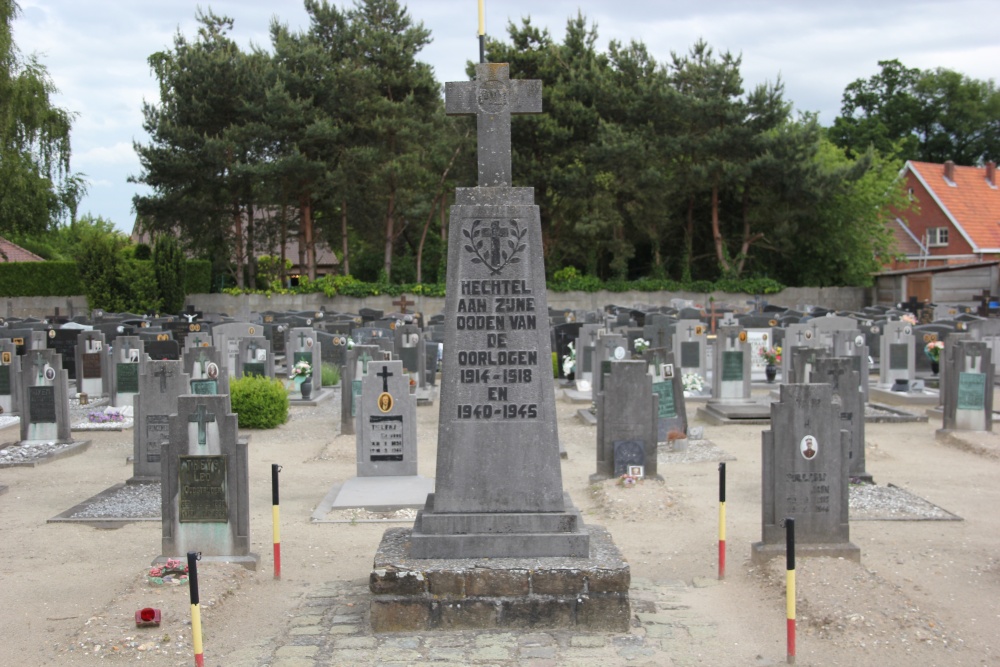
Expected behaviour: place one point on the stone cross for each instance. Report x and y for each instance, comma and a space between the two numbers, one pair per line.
365, 358
40, 365
252, 349
163, 375
385, 375
202, 416
690, 331
492, 98
496, 233
302, 340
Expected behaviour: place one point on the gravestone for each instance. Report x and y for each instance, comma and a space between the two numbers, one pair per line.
896, 361
254, 357
159, 387
90, 352
585, 343
851, 344
205, 482
127, 359
760, 339
731, 401
408, 345
627, 413
226, 338
63, 341
499, 486
301, 345
386, 422
358, 359
805, 474
671, 410
690, 347
45, 402
967, 387
840, 374
333, 348
796, 336
10, 378
205, 367
163, 348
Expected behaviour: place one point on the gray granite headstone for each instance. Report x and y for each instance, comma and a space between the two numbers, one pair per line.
668, 387
159, 388
45, 413
226, 338
840, 374
967, 387
731, 366
254, 357
386, 422
499, 490
90, 352
358, 359
205, 482
206, 367
10, 378
796, 336
897, 360
301, 344
805, 474
627, 410
690, 347
127, 361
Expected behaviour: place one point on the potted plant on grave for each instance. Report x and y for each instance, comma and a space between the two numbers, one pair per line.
772, 357
933, 351
569, 363
301, 375
640, 345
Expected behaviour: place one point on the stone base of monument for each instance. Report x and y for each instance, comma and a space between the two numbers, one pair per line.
317, 396
573, 395
729, 411
426, 395
761, 553
882, 394
499, 534
385, 493
249, 561
48, 455
587, 417
413, 595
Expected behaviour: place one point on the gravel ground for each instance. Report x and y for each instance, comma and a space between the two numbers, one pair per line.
891, 503
16, 453
132, 501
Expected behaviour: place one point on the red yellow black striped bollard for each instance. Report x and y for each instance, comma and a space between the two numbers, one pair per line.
790, 586
722, 520
275, 519
199, 653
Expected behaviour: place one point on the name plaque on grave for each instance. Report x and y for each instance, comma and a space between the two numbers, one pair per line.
254, 368
971, 391
385, 438
899, 356
42, 405
732, 366
628, 453
302, 356
5, 380
91, 365
690, 355
202, 497
586, 362
205, 387
808, 492
157, 433
665, 392
409, 357
128, 378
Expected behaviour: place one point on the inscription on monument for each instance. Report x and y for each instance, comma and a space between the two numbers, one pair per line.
42, 405
254, 368
665, 392
91, 365
971, 391
732, 366
690, 355
128, 378
899, 356
385, 438
157, 433
5, 380
202, 496
205, 387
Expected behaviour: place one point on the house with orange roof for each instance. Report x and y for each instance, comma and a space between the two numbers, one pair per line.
948, 244
11, 252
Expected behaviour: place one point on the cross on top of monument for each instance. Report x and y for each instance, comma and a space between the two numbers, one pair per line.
202, 416
402, 302
163, 374
385, 375
493, 97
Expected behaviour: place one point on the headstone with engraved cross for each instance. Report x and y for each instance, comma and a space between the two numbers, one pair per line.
499, 490
301, 344
159, 388
45, 413
690, 346
205, 367
127, 362
254, 357
896, 359
205, 481
849, 402
386, 422
358, 359
967, 386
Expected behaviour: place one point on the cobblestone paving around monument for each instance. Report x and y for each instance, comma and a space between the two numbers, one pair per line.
330, 627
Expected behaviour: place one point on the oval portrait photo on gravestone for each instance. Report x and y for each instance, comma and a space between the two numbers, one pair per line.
809, 447
385, 402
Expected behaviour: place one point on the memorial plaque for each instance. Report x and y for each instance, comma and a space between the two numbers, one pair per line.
410, 359
355, 396
628, 453
254, 368
91, 365
205, 387
128, 378
665, 392
690, 355
732, 366
899, 356
971, 391
202, 482
385, 438
42, 405
157, 433
5, 380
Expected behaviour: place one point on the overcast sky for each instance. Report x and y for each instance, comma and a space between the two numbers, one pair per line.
96, 51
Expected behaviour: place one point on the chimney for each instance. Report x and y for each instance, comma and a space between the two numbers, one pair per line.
949, 171
991, 174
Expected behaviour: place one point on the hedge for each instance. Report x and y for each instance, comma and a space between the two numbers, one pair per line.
63, 278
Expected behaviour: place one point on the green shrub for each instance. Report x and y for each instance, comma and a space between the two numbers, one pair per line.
259, 401
330, 375
40, 279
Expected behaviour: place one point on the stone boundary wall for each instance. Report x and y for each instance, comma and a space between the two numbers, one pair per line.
837, 298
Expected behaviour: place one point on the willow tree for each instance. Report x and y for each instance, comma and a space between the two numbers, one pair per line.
37, 189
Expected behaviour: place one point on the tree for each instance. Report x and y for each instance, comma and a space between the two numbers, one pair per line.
37, 188
169, 268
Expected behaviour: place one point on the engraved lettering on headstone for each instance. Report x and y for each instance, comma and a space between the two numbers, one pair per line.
202, 497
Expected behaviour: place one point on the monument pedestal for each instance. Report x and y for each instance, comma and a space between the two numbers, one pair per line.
416, 594
761, 553
729, 411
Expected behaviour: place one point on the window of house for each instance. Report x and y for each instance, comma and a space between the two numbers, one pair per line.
909, 194
937, 236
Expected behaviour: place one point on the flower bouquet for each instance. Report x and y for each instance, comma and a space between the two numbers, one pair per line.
628, 481
641, 345
569, 361
174, 571
933, 350
693, 383
772, 355
101, 417
301, 371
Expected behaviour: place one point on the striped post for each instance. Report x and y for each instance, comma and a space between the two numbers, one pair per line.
199, 654
790, 586
275, 520
722, 520
482, 32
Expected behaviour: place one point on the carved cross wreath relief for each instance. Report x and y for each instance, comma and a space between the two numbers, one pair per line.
496, 245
